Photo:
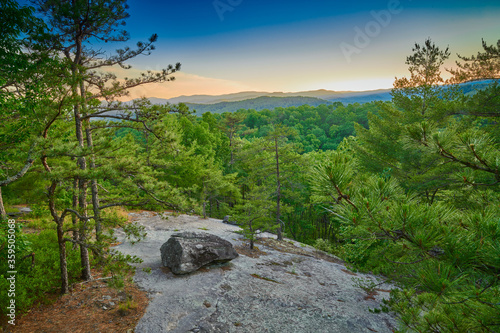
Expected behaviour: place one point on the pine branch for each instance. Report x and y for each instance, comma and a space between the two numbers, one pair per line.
451, 157
125, 203
22, 172
69, 210
156, 198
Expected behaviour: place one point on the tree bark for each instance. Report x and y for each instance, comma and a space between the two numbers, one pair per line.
78, 89
252, 236
21, 173
63, 265
74, 219
93, 184
82, 198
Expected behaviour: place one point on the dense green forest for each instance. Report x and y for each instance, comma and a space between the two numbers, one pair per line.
408, 189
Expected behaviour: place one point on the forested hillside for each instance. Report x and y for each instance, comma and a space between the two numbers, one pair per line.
259, 103
346, 97
408, 189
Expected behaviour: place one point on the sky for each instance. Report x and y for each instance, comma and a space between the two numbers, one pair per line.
228, 46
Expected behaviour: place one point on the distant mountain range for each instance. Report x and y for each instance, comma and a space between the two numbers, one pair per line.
264, 100
328, 95
258, 103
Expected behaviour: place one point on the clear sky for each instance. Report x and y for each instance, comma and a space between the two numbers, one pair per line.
229, 46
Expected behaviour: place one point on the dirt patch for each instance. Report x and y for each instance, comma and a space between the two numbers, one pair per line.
257, 276
245, 250
348, 272
370, 295
90, 307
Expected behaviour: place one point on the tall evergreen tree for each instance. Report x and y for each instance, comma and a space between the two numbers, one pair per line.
269, 162
400, 134
442, 251
74, 26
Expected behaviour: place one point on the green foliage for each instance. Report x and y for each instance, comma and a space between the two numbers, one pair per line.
118, 266
367, 284
35, 284
259, 103
323, 245
38, 210
426, 214
317, 128
434, 249
254, 214
125, 307
23, 245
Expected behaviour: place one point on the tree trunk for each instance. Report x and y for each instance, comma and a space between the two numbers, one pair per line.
78, 91
62, 258
60, 237
82, 202
82, 184
3, 213
93, 185
252, 235
74, 219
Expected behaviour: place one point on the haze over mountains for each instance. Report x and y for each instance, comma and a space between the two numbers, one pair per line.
328, 95
259, 100
264, 100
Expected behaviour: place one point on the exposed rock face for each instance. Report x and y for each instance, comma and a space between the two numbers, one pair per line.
291, 291
187, 251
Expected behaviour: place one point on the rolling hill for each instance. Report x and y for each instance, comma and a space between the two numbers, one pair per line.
266, 100
258, 103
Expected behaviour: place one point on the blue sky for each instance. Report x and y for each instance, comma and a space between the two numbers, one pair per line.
181, 19
228, 46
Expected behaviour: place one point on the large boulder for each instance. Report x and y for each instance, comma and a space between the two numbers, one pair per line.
185, 252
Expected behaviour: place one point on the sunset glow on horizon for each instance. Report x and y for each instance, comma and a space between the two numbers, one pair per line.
295, 46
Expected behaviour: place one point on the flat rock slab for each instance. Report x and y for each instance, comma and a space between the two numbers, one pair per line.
187, 251
276, 292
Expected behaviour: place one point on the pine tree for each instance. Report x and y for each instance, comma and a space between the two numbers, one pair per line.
269, 162
401, 134
253, 213
444, 251
80, 86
